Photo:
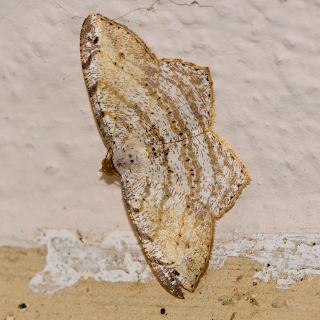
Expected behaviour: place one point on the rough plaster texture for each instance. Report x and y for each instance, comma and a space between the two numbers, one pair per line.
264, 60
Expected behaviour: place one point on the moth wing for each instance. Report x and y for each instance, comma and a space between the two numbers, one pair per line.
186, 91
173, 199
201, 164
138, 99
182, 105
176, 232
201, 167
121, 75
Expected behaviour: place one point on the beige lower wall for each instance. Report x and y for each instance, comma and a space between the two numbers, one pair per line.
228, 293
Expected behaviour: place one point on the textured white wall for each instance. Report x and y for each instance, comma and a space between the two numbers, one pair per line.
264, 60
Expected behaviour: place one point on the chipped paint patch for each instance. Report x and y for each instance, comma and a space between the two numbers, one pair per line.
117, 256
287, 258
114, 257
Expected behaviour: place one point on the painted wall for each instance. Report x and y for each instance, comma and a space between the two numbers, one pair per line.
264, 60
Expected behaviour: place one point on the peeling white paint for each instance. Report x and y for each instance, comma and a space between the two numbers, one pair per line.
287, 258
117, 257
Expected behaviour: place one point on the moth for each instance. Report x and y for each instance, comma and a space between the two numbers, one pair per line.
177, 175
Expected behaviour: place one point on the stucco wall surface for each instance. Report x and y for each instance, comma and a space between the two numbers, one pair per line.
264, 61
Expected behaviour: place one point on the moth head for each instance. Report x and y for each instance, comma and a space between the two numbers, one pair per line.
107, 165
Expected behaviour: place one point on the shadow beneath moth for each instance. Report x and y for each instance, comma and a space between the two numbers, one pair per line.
177, 175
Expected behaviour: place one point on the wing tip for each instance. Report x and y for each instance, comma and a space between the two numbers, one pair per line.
167, 279
174, 290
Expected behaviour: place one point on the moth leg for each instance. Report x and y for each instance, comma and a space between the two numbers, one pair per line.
107, 165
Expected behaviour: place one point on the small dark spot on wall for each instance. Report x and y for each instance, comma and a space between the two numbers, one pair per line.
23, 306
254, 302
239, 278
226, 301
163, 311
